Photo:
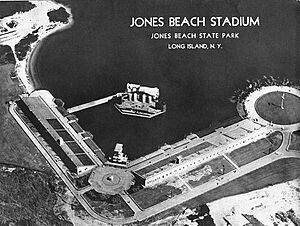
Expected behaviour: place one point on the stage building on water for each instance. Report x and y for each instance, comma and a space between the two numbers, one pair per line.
141, 101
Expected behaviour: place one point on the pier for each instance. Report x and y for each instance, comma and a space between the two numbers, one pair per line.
38, 117
93, 103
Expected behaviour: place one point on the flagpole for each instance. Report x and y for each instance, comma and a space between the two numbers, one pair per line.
282, 99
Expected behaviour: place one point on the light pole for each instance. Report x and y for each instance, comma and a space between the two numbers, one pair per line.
282, 99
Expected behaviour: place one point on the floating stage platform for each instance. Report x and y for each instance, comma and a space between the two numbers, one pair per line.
137, 100
172, 175
141, 101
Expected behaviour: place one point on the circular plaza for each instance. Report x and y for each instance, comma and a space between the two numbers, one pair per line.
277, 106
111, 180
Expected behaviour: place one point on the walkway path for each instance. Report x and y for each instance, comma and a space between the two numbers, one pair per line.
60, 173
93, 103
140, 214
130, 202
230, 160
186, 184
253, 97
210, 185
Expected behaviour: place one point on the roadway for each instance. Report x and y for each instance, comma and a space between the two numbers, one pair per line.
77, 193
210, 185
140, 214
7, 36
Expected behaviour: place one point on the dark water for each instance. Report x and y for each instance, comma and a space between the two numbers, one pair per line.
100, 54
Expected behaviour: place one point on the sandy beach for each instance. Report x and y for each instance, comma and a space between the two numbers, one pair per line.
25, 68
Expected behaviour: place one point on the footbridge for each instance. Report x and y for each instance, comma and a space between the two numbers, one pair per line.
93, 103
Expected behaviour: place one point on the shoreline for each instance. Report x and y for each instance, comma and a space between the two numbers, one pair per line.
31, 57
25, 68
31, 65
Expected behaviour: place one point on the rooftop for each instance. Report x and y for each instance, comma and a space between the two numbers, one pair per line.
191, 147
58, 131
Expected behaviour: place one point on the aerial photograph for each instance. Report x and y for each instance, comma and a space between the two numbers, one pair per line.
150, 112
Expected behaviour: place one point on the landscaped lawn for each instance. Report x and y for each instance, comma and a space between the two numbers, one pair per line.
207, 171
256, 150
269, 108
150, 196
108, 205
295, 141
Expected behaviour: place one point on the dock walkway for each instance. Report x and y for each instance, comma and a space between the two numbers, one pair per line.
93, 103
